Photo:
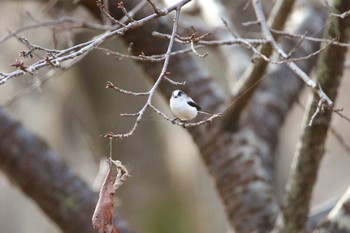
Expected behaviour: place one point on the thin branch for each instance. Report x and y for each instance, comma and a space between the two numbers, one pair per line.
142, 57
40, 80
197, 53
131, 13
104, 11
125, 12
156, 9
333, 130
262, 56
229, 29
233, 41
340, 139
112, 86
300, 42
174, 82
37, 84
342, 15
130, 114
33, 47
291, 35
318, 109
75, 23
338, 112
249, 44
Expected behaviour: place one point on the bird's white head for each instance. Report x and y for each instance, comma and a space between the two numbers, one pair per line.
178, 93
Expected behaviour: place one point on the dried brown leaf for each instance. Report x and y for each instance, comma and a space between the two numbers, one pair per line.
102, 220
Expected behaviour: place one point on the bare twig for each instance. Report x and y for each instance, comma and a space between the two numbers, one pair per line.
338, 112
320, 108
174, 82
102, 8
132, 12
156, 9
291, 35
251, 46
333, 130
37, 84
33, 47
248, 43
199, 40
112, 86
195, 51
301, 40
125, 12
342, 15
308, 81
340, 139
250, 23
75, 24
142, 57
229, 29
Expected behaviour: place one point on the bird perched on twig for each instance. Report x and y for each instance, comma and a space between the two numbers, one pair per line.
183, 107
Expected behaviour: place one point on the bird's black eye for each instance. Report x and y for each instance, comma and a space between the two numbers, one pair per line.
177, 93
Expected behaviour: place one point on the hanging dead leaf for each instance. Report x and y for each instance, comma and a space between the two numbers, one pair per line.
102, 219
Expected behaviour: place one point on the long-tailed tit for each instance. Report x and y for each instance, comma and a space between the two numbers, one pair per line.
183, 107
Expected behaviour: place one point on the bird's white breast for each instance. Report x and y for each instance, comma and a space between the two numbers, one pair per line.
182, 110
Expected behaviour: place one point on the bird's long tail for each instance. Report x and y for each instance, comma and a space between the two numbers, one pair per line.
206, 113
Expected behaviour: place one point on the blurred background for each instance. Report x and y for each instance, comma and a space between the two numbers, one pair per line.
170, 189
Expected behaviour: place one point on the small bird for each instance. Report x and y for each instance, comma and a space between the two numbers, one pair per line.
183, 107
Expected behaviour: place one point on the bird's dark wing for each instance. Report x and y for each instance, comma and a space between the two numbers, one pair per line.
193, 104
